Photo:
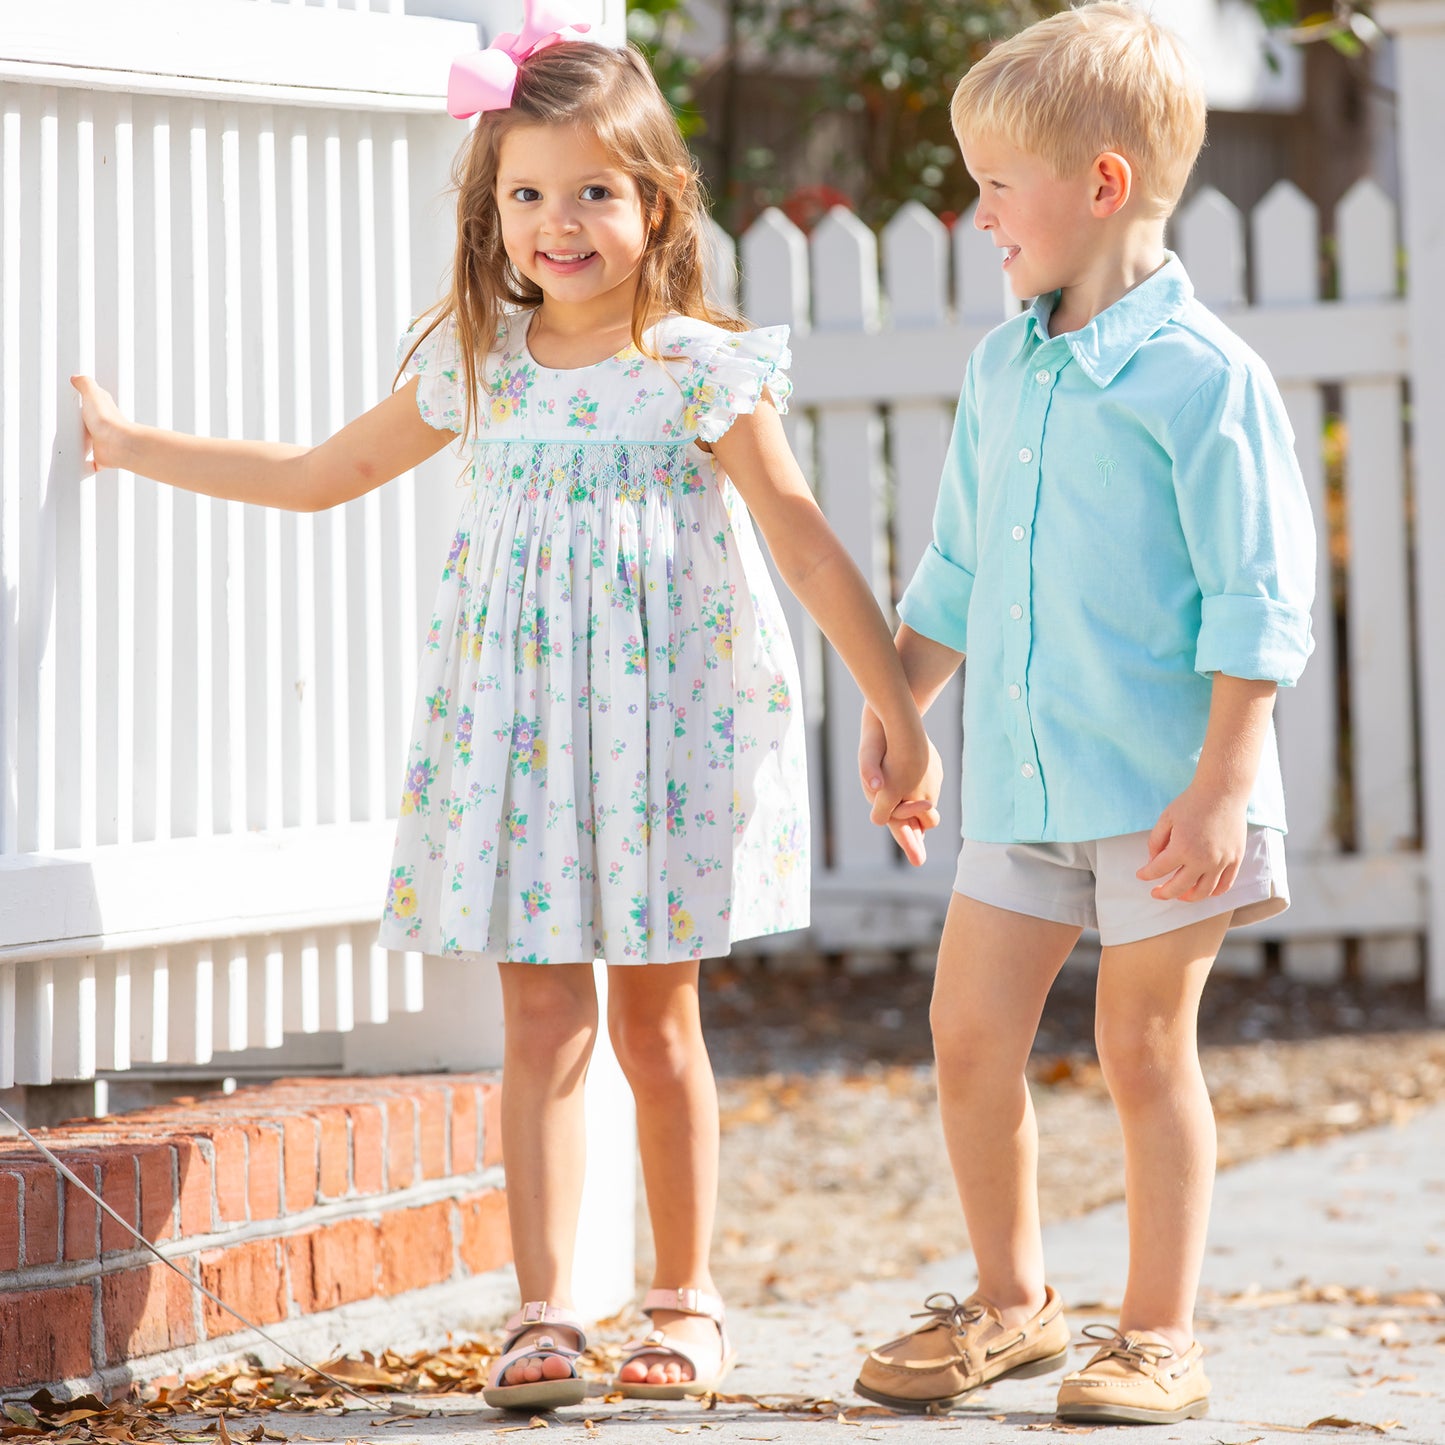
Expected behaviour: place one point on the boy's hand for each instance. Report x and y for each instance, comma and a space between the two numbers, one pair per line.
908, 823
1196, 847
102, 419
913, 810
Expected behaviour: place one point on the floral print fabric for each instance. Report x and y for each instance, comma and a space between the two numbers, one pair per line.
607, 757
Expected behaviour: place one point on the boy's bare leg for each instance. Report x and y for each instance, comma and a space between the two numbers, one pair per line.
1146, 1030
994, 973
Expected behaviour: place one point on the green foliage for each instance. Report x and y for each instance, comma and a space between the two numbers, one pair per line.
886, 70
889, 67
654, 26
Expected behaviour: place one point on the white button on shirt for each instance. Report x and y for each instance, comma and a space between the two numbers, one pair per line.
1042, 377
1015, 691
1018, 534
1027, 770
1026, 454
1015, 612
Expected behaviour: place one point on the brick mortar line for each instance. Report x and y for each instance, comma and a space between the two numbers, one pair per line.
485, 1299
434, 1191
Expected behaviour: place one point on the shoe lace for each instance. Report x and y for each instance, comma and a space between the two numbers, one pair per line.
1114, 1343
944, 1309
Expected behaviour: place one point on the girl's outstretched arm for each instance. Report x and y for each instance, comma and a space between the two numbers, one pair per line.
380, 444
824, 578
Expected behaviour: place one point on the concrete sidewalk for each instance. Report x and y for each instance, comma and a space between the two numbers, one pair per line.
1358, 1220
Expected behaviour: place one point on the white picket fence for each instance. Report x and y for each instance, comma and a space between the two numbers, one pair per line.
882, 329
203, 706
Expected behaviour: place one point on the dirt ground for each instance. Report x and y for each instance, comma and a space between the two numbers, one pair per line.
833, 1164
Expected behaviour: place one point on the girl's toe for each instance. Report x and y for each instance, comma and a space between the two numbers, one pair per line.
554, 1367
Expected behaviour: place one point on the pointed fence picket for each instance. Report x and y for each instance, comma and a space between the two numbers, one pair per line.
878, 369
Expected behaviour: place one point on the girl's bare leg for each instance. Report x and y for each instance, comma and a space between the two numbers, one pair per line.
994, 972
652, 1013
550, 1015
1146, 1024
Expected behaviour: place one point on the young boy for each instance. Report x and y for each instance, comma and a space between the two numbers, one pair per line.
1124, 550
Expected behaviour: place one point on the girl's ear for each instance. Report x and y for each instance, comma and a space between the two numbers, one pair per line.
1112, 184
659, 211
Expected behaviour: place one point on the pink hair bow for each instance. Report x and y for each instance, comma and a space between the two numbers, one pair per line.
485, 79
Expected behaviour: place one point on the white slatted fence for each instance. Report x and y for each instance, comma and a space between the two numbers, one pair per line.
203, 706
879, 350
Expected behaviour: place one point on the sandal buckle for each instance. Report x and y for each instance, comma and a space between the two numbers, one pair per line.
534, 1312
687, 1301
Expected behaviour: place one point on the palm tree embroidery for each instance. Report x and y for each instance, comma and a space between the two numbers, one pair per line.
1105, 465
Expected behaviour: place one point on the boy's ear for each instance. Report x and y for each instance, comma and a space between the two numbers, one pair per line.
1112, 183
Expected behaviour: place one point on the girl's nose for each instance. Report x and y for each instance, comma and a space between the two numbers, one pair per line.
561, 219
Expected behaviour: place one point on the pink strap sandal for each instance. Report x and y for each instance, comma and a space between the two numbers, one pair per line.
538, 1394
657, 1347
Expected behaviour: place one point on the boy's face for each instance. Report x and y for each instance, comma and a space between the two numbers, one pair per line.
1043, 224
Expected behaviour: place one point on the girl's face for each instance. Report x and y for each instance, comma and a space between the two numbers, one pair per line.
572, 221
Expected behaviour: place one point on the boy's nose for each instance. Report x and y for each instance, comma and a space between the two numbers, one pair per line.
982, 219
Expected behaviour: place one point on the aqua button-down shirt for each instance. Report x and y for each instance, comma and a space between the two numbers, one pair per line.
1120, 516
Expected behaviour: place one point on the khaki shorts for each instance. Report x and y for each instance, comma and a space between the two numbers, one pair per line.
1093, 884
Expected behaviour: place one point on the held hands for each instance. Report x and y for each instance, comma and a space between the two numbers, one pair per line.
900, 783
103, 421
1197, 845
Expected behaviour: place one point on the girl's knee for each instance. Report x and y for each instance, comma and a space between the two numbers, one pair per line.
548, 1010
655, 1047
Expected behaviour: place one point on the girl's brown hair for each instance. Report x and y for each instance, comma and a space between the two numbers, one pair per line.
611, 93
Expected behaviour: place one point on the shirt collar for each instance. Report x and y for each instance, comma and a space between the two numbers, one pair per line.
1106, 345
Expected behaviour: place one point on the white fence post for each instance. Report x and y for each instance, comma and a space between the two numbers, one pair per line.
1286, 247
915, 266
1419, 30
1382, 681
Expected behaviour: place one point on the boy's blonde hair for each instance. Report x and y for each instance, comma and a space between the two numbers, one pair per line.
612, 94
1102, 77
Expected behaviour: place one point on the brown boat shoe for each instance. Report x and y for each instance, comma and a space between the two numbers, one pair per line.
959, 1347
1136, 1379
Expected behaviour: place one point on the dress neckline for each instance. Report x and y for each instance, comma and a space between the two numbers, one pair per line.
526, 352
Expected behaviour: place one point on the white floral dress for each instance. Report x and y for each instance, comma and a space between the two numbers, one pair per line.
607, 759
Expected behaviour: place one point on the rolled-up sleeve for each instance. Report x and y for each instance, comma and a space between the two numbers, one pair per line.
1247, 524
936, 600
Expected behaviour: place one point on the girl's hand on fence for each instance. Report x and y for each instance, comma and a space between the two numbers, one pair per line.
102, 420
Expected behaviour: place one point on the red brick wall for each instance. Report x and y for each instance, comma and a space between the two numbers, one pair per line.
345, 1189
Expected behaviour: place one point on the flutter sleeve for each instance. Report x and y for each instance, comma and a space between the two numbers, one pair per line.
436, 363
729, 380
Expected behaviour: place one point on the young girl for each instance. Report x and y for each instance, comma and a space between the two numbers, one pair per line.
607, 759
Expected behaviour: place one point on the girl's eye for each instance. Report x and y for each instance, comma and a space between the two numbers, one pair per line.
595, 193
526, 193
